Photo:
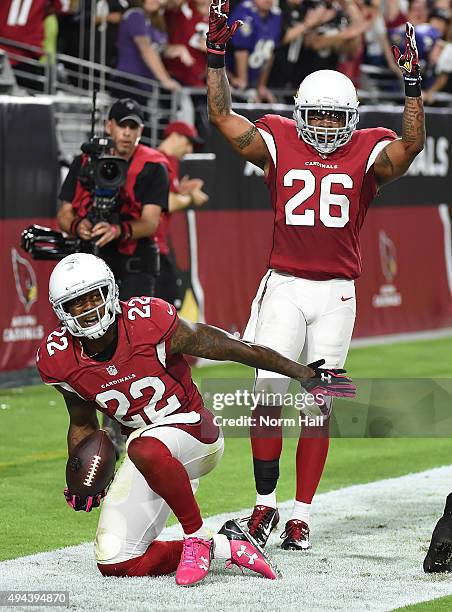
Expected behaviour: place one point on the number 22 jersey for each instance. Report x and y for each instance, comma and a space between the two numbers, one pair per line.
319, 202
143, 383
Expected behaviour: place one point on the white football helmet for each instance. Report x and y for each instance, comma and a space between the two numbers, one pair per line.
327, 90
76, 275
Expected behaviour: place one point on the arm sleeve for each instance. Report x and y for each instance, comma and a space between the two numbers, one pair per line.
152, 185
67, 192
42, 366
164, 317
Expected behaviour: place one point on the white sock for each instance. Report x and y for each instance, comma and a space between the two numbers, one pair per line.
221, 547
266, 500
301, 511
201, 533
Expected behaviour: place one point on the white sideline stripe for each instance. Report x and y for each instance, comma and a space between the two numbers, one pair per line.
369, 542
432, 334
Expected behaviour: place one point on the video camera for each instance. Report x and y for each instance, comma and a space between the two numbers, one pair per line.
102, 176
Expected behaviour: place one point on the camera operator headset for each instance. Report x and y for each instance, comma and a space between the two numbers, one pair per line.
125, 240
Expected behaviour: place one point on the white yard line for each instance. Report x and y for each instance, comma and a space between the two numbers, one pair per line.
368, 545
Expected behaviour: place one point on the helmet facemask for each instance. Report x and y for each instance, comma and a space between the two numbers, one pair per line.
325, 139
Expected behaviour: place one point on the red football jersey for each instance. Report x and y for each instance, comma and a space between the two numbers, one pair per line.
187, 26
23, 22
143, 383
319, 204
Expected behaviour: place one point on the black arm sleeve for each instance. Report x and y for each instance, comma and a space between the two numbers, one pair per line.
152, 185
67, 191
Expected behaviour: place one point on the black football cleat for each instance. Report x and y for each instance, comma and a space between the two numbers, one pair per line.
295, 536
261, 523
439, 555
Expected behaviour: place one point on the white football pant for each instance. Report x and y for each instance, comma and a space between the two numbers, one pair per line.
132, 515
303, 320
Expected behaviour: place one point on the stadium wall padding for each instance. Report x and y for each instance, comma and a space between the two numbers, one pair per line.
222, 249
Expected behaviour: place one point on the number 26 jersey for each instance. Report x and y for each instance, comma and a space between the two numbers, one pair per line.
319, 202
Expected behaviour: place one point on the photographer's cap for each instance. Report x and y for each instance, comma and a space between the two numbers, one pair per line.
180, 127
126, 109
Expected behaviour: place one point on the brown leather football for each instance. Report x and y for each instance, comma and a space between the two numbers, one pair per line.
91, 465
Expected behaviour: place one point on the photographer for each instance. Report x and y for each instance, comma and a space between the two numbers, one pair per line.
123, 236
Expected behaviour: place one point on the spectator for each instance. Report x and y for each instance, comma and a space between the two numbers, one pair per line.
141, 41
24, 24
442, 81
298, 18
187, 23
339, 37
377, 50
180, 139
108, 18
395, 13
251, 56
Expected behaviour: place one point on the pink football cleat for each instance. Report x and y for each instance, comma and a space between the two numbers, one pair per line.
194, 562
246, 552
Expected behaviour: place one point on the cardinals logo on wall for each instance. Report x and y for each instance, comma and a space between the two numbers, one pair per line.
25, 278
388, 256
388, 295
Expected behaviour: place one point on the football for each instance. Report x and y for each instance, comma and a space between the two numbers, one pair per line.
91, 465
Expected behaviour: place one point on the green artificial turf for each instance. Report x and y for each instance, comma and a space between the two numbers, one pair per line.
33, 426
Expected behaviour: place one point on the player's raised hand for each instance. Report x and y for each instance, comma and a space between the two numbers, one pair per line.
220, 32
327, 381
408, 61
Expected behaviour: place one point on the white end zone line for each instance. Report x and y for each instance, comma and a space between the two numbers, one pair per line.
369, 542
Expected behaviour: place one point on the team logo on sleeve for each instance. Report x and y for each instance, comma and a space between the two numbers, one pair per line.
112, 370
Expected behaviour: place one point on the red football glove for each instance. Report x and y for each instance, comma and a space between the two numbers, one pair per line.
408, 61
219, 31
79, 503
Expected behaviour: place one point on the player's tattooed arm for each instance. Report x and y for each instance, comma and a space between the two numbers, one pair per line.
82, 418
395, 159
241, 133
210, 342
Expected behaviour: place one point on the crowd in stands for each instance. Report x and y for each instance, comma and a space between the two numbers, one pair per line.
277, 46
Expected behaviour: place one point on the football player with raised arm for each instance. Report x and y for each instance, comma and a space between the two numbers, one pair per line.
322, 175
126, 360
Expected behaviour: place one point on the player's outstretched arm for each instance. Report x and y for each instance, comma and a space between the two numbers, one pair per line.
210, 342
395, 159
239, 131
82, 419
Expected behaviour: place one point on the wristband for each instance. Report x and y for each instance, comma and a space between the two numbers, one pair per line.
215, 59
413, 88
75, 223
126, 231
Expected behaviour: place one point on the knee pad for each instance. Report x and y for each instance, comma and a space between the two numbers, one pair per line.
107, 547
